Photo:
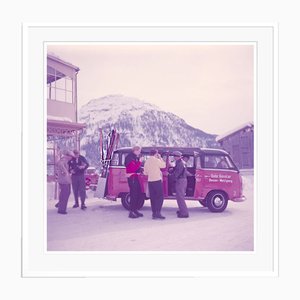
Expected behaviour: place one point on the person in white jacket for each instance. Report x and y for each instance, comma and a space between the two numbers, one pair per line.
152, 168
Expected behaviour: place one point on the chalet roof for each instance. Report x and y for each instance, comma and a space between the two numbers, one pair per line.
58, 59
237, 129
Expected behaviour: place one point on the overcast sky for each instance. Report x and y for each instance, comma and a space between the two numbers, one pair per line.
209, 86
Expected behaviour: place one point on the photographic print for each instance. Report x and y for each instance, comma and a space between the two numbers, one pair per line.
150, 146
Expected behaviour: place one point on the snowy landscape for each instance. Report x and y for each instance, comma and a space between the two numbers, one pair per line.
139, 123
105, 226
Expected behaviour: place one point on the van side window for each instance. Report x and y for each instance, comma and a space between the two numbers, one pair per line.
115, 160
189, 161
198, 162
123, 158
217, 162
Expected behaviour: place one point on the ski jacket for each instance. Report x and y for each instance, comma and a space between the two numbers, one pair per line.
132, 164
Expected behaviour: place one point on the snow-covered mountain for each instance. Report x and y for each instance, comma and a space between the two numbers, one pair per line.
139, 123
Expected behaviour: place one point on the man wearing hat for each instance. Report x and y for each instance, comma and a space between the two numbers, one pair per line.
180, 175
64, 181
77, 166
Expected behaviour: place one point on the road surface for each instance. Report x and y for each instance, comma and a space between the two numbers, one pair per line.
105, 226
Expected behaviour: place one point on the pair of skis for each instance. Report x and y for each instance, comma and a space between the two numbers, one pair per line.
107, 145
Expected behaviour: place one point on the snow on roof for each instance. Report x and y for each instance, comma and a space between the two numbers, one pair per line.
53, 56
228, 133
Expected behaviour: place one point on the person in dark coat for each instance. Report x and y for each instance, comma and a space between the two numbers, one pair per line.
133, 169
180, 175
77, 167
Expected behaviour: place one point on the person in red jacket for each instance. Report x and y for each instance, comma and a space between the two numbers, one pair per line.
133, 169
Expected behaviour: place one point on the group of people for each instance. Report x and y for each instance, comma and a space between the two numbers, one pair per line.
71, 167
70, 170
152, 168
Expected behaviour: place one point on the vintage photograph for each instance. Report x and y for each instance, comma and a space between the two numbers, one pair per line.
150, 146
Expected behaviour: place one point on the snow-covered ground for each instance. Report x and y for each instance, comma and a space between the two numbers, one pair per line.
105, 226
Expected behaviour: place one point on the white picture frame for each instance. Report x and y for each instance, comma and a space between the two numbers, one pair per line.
37, 262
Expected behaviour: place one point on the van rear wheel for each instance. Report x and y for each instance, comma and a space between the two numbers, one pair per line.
125, 199
217, 201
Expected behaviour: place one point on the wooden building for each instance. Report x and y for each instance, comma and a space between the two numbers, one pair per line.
240, 144
63, 128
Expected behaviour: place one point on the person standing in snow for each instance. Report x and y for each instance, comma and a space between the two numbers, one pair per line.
180, 175
152, 168
64, 181
77, 166
133, 169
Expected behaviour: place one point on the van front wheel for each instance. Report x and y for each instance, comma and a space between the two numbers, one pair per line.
217, 201
125, 199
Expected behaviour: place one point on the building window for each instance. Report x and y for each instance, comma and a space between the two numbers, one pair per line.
59, 86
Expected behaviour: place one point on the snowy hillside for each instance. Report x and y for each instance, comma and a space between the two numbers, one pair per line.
139, 123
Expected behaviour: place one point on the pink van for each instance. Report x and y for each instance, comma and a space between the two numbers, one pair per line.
214, 178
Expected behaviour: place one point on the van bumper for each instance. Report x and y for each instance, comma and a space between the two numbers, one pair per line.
239, 199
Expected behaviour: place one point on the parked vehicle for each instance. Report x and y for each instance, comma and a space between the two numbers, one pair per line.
214, 178
91, 178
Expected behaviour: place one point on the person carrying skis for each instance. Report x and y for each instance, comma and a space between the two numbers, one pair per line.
133, 169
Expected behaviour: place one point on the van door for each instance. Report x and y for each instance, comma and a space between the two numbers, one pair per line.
117, 180
215, 172
165, 174
199, 178
170, 161
191, 173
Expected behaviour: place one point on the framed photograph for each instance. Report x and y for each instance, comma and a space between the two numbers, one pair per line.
149, 150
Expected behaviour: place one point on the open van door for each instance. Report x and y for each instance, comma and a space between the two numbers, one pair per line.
101, 186
199, 180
